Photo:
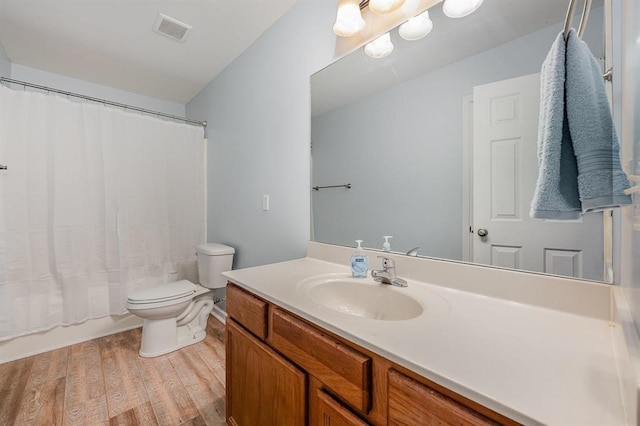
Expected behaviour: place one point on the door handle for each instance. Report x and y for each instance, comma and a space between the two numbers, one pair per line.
482, 232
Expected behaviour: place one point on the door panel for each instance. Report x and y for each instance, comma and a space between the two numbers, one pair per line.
506, 257
505, 170
563, 262
505, 194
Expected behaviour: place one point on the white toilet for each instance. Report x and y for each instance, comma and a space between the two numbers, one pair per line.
175, 314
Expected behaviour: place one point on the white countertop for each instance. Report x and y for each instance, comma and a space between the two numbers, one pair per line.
531, 363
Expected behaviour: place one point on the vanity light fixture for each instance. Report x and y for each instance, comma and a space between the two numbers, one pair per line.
460, 8
349, 19
380, 47
416, 27
384, 6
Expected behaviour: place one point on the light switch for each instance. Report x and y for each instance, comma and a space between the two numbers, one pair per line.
265, 202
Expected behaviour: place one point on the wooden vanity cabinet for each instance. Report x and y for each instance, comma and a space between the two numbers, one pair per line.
338, 366
262, 387
412, 403
330, 412
248, 310
283, 370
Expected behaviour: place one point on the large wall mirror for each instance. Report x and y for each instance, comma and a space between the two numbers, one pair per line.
438, 143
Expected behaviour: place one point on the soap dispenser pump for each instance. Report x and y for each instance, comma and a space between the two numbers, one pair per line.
386, 246
359, 262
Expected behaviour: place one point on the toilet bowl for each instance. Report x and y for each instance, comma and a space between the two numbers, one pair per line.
175, 314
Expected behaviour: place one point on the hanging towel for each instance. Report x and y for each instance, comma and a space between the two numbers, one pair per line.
556, 194
601, 181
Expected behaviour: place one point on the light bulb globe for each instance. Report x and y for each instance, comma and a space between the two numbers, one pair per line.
416, 27
349, 20
380, 47
460, 8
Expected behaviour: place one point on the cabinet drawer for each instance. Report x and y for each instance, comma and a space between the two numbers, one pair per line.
248, 310
345, 371
411, 403
331, 413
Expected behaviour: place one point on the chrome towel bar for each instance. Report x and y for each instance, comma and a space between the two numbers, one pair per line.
317, 188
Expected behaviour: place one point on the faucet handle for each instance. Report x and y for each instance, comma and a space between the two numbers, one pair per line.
387, 263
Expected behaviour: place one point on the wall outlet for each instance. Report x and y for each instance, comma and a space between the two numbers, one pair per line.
265, 202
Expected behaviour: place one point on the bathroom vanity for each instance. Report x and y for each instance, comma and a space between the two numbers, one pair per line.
275, 359
307, 344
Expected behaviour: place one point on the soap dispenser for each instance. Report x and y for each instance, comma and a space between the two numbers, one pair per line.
359, 262
386, 246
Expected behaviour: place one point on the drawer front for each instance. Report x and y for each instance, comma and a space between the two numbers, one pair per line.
332, 413
411, 403
248, 310
345, 371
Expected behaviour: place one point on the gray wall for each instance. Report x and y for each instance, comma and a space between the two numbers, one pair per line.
259, 122
401, 149
258, 111
58, 81
5, 63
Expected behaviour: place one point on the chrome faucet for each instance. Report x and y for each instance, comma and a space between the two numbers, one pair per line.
387, 275
413, 251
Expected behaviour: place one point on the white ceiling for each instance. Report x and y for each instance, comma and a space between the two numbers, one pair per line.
110, 42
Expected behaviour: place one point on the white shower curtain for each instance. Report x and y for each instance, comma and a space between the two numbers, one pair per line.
96, 202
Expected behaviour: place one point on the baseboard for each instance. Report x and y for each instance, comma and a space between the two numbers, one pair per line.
36, 343
219, 314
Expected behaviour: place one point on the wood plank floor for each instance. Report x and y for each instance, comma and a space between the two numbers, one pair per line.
104, 381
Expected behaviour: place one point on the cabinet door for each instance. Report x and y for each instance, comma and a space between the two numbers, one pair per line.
332, 413
412, 403
262, 387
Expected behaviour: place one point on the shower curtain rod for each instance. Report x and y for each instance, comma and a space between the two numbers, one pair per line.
103, 101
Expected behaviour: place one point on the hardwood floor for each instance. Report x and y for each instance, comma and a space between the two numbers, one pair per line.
104, 381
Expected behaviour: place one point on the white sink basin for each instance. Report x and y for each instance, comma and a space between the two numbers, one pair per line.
361, 297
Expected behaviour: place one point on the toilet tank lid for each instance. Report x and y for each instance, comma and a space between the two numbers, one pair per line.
215, 249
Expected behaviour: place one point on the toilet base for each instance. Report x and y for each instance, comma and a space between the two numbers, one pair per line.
162, 336
162, 339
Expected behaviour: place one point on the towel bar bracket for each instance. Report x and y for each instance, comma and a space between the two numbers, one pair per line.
632, 190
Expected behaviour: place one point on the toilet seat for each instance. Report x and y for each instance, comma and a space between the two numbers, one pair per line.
173, 292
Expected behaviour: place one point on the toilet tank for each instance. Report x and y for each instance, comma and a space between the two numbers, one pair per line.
214, 259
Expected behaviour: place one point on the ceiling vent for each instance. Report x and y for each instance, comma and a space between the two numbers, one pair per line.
172, 28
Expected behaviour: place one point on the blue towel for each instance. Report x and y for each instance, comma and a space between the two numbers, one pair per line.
601, 181
556, 194
578, 151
